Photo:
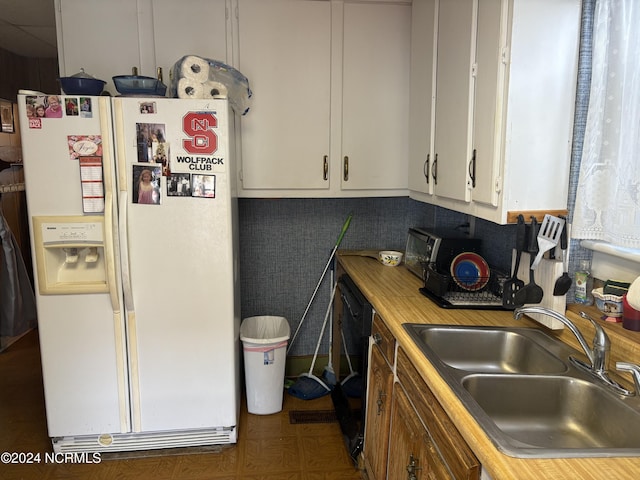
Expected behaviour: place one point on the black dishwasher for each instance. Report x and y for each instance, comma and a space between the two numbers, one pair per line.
357, 317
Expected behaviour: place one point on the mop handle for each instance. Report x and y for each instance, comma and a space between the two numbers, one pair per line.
332, 277
324, 324
345, 226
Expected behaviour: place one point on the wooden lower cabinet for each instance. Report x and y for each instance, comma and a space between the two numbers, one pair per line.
412, 454
408, 434
378, 419
440, 450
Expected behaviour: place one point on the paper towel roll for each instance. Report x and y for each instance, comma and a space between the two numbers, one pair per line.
214, 89
633, 294
195, 68
189, 88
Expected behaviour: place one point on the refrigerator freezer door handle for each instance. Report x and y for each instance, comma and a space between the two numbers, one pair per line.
110, 254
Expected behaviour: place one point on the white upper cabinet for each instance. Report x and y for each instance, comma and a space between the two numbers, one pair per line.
505, 94
375, 97
454, 100
329, 116
329, 112
188, 27
285, 52
101, 37
422, 95
109, 38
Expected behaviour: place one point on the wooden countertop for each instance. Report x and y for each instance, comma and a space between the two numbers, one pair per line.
394, 294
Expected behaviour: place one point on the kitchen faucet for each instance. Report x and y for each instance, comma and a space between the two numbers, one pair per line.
598, 355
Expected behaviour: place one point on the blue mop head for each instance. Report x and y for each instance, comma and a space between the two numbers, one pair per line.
353, 386
309, 387
329, 377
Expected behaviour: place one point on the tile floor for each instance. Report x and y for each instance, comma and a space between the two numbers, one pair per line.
269, 447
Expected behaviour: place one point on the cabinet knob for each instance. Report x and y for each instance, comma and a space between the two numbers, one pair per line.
377, 338
326, 167
345, 169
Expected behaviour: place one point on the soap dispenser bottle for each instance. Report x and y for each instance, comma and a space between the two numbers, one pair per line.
584, 284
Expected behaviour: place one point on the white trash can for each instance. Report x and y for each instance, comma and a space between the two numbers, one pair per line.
264, 341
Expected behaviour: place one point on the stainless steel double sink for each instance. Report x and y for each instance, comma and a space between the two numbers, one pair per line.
522, 390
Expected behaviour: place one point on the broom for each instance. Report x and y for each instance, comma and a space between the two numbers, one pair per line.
345, 226
308, 386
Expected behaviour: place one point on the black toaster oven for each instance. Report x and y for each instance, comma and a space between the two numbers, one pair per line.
438, 247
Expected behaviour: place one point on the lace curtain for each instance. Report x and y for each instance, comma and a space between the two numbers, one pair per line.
608, 193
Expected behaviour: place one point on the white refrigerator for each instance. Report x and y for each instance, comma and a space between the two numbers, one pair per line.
134, 233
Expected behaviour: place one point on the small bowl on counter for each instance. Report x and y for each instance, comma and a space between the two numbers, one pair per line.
609, 304
390, 258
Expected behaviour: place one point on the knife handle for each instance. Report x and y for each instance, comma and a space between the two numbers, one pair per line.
521, 234
533, 237
563, 235
533, 247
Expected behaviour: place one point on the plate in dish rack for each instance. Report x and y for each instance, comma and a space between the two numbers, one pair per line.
470, 271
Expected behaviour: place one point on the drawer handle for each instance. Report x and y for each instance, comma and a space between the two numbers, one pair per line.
377, 338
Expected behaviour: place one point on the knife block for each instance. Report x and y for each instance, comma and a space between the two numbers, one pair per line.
545, 276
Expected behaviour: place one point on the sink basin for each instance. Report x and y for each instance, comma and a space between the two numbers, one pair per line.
523, 391
489, 350
556, 414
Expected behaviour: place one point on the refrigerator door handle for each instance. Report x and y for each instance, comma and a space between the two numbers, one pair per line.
124, 254
131, 315
110, 255
112, 259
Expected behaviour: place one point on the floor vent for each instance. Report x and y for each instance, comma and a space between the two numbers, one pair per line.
313, 416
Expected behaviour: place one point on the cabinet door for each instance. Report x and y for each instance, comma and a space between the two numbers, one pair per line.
285, 52
421, 92
188, 27
378, 417
489, 99
87, 38
454, 94
412, 454
446, 453
375, 97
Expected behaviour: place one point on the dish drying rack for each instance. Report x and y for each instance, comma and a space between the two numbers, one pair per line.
442, 289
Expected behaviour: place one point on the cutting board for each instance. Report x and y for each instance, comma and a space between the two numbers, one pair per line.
545, 275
